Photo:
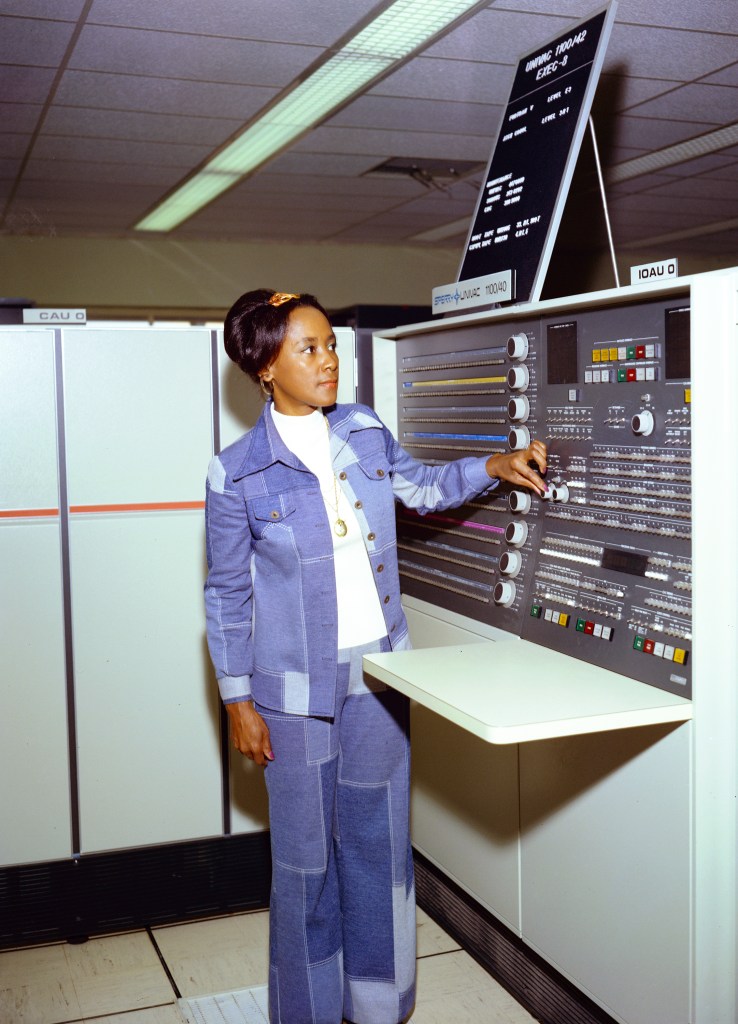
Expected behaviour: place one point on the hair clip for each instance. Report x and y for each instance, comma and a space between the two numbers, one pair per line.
280, 297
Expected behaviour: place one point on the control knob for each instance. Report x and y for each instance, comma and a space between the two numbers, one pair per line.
517, 346
643, 423
518, 409
518, 438
518, 378
519, 501
556, 492
516, 533
510, 563
504, 593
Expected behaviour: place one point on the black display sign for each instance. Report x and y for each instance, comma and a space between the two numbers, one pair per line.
525, 188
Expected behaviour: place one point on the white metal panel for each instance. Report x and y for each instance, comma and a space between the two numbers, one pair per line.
606, 866
147, 713
249, 804
28, 477
34, 766
467, 786
138, 414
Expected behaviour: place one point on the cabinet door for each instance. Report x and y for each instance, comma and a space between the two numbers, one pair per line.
34, 762
139, 438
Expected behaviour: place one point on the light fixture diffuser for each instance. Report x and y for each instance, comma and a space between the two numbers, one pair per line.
398, 31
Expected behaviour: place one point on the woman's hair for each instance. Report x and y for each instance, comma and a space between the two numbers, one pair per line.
256, 324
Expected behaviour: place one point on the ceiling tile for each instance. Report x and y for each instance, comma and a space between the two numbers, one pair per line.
25, 41
295, 161
25, 84
329, 139
711, 162
722, 190
727, 76
617, 92
19, 117
439, 79
162, 128
704, 16
651, 134
172, 55
666, 53
14, 144
702, 102
498, 36
112, 150
57, 10
284, 21
160, 95
386, 112
110, 173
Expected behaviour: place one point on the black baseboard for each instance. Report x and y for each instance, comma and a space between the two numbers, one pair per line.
95, 894
547, 996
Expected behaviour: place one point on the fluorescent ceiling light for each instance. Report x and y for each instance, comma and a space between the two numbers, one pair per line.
398, 31
710, 142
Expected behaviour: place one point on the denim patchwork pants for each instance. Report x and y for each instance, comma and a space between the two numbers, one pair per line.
342, 913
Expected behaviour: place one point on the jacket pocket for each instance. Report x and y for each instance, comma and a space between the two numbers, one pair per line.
269, 511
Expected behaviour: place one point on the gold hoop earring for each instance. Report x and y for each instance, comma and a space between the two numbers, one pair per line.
266, 390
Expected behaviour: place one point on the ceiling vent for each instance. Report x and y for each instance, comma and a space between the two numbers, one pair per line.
431, 173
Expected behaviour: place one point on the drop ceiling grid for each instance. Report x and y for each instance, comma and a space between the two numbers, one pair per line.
152, 89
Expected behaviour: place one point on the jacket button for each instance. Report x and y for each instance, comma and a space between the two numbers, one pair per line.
275, 514
371, 536
380, 568
386, 600
380, 472
341, 476
357, 504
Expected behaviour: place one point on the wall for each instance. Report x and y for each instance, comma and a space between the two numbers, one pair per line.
159, 277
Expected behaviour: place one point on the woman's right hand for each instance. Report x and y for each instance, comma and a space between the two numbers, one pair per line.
249, 732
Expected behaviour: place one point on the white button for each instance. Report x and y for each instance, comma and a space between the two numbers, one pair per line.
650, 373
623, 353
658, 650
650, 351
640, 373
548, 614
668, 653
596, 376
606, 632
587, 376
597, 631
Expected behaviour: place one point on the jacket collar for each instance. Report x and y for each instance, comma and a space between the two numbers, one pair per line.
266, 446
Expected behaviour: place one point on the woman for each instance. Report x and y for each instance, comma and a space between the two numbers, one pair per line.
303, 582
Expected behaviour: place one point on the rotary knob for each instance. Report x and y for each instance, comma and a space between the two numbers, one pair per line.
518, 378
556, 492
519, 501
516, 533
518, 409
517, 346
510, 563
643, 423
518, 438
504, 593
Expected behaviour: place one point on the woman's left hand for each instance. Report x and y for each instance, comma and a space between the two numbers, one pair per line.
514, 468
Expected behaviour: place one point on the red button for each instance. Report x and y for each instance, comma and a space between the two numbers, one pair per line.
648, 646
589, 627
640, 351
630, 374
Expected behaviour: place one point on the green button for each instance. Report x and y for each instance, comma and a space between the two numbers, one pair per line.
535, 611
630, 352
580, 625
638, 643
622, 375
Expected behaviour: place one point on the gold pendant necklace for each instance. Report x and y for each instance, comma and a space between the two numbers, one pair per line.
339, 527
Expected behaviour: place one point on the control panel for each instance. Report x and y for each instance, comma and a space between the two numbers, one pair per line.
600, 568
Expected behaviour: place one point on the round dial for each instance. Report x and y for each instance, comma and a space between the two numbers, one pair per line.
516, 533
643, 423
519, 501
504, 593
518, 378
517, 346
510, 563
518, 438
518, 409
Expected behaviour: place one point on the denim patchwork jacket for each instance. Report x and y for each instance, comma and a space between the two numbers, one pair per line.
270, 595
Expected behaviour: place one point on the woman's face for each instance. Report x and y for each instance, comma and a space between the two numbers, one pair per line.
304, 374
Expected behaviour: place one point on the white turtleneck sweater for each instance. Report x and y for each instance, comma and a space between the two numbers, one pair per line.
360, 617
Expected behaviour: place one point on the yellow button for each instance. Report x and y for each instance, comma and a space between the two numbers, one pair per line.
605, 354
563, 619
613, 353
680, 656
595, 355
687, 396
